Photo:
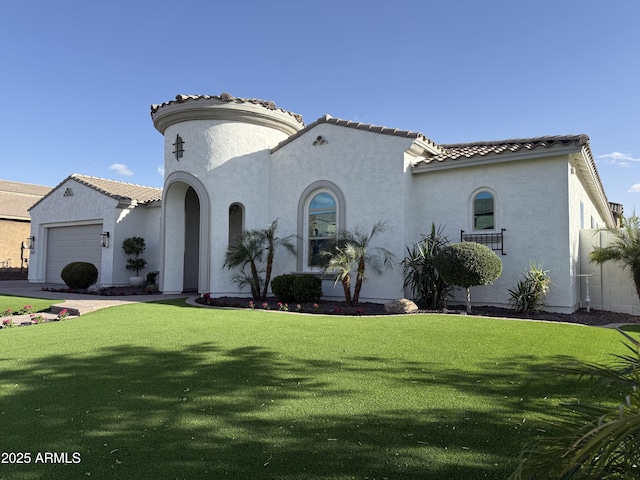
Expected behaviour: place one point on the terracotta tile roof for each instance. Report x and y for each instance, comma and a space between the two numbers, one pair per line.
16, 198
358, 126
114, 189
468, 150
225, 97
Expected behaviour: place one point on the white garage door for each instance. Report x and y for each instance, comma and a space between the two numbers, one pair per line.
72, 244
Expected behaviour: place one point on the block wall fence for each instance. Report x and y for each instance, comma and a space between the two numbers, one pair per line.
611, 287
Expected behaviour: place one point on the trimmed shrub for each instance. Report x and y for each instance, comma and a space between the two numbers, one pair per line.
282, 287
467, 264
79, 275
307, 288
291, 288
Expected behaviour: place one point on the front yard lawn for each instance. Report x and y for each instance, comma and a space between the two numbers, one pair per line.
169, 391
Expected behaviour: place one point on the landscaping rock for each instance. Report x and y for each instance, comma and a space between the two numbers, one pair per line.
402, 305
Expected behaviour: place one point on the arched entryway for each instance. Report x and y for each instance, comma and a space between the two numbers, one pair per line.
191, 241
185, 235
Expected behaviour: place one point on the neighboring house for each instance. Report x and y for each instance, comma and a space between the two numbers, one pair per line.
15, 200
86, 219
232, 164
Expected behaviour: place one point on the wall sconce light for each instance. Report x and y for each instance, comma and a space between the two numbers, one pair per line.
31, 243
104, 239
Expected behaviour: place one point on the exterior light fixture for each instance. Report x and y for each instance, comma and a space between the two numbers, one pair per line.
104, 239
31, 243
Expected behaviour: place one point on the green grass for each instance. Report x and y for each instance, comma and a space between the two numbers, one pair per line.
169, 391
16, 303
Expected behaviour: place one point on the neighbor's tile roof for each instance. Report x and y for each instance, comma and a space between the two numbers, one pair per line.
358, 126
114, 189
226, 97
16, 198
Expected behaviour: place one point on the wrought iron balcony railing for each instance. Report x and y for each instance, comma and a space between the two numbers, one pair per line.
495, 241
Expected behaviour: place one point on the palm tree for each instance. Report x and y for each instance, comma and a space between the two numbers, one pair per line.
595, 441
625, 248
272, 242
353, 251
248, 250
340, 263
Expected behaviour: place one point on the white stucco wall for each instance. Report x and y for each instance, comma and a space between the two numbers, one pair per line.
530, 202
231, 161
87, 206
368, 168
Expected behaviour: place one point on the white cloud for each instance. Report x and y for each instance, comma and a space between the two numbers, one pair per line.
160, 170
619, 158
121, 169
635, 188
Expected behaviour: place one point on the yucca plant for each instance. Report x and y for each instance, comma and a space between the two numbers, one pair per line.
420, 274
598, 442
530, 292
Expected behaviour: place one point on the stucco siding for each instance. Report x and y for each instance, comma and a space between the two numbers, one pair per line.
12, 235
368, 168
530, 203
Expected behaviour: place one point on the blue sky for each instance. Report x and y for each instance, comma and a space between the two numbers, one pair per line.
78, 77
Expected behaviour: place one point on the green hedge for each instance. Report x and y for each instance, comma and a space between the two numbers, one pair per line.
292, 288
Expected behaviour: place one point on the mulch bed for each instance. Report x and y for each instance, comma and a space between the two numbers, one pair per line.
594, 317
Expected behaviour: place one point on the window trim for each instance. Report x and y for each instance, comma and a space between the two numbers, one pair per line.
472, 211
321, 186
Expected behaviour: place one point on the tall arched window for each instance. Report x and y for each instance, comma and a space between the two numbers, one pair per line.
321, 214
322, 217
483, 211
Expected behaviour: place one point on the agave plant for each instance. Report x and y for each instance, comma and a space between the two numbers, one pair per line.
530, 292
598, 441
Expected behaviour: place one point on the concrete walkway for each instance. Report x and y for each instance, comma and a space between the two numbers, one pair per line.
75, 303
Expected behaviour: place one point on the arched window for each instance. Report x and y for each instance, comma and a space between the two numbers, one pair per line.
322, 216
483, 211
236, 221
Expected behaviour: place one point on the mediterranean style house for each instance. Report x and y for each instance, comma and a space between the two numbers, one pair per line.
235, 163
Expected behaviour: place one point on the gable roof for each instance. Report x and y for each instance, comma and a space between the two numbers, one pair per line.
361, 126
121, 191
16, 198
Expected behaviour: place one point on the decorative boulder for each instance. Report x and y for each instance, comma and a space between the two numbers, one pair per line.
402, 305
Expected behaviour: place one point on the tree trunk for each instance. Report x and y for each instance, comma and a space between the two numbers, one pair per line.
255, 285
468, 300
267, 277
359, 280
346, 286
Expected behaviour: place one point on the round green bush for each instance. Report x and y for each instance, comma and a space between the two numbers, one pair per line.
467, 264
292, 288
79, 275
282, 287
307, 288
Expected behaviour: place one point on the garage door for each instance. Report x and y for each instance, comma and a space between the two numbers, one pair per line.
72, 244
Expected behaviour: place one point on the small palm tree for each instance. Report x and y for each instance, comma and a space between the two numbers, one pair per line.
272, 242
353, 251
251, 248
340, 262
625, 248
248, 250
